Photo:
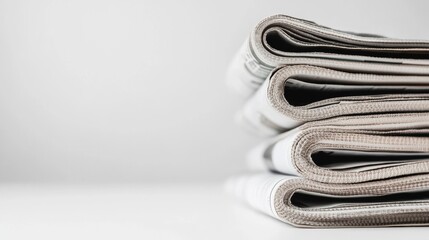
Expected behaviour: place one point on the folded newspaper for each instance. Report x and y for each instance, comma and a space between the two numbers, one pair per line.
350, 149
296, 94
283, 40
306, 203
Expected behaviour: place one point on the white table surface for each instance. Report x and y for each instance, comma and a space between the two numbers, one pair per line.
151, 212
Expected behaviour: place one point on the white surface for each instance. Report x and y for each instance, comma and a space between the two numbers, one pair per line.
152, 212
98, 90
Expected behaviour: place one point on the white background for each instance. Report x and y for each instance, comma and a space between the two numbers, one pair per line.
105, 103
119, 91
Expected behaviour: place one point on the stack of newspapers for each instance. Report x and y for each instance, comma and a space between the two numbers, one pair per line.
346, 123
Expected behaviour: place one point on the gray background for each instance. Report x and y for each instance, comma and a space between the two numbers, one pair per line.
134, 91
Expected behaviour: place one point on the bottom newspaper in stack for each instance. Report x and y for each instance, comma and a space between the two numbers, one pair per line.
306, 203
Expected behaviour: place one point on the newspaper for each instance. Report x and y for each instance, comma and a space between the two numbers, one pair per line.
293, 95
350, 149
306, 203
284, 40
